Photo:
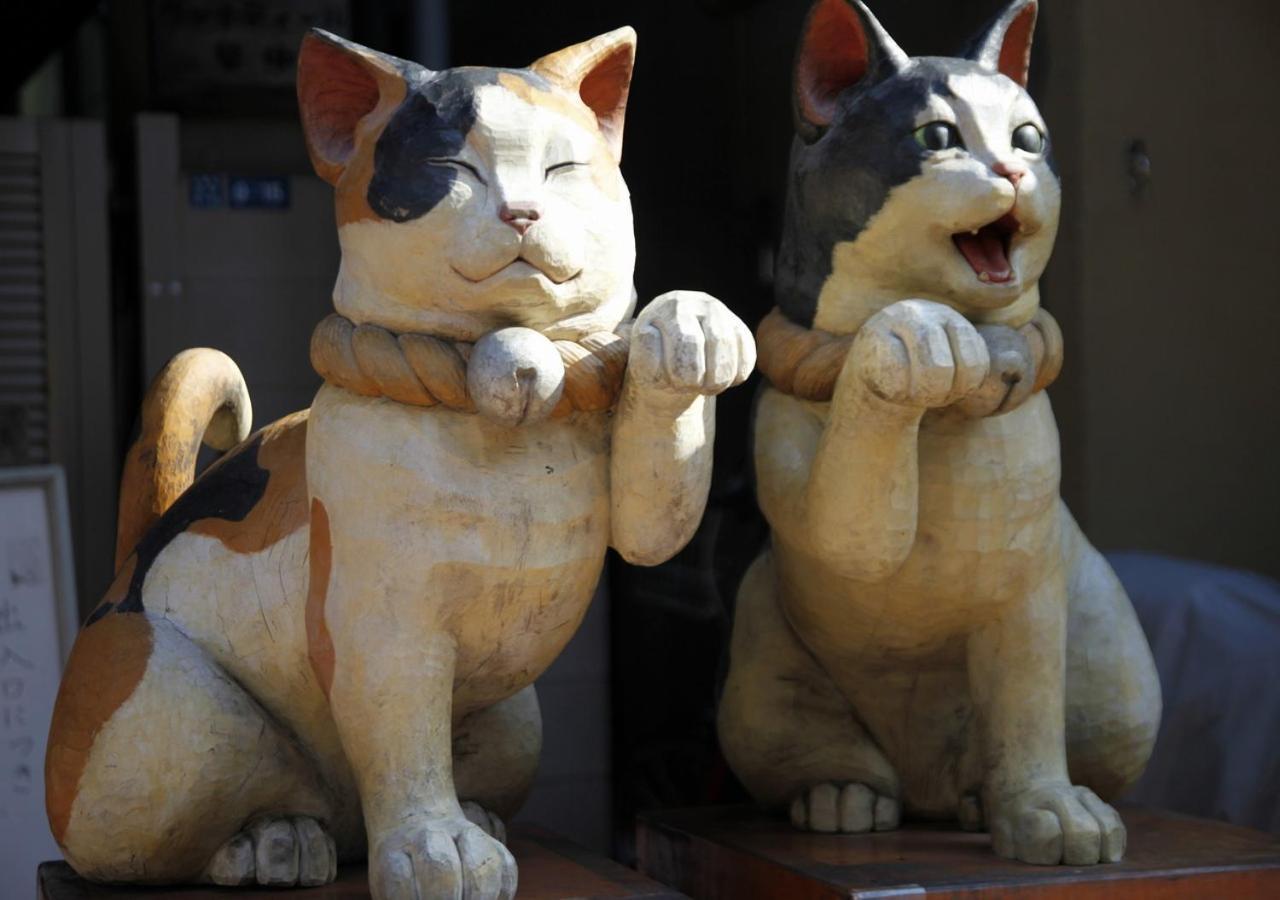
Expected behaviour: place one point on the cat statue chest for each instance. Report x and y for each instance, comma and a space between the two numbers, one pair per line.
963, 561
505, 527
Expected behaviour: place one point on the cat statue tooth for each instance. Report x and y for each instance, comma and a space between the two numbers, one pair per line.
928, 634
324, 647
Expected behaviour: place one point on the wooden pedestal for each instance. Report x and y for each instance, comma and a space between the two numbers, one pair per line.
741, 854
551, 868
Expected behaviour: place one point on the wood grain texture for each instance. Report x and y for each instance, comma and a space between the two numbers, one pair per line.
718, 854
551, 868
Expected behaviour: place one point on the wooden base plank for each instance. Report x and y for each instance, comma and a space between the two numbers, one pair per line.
551, 868
741, 854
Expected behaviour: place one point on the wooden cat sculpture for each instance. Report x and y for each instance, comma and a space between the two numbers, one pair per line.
327, 643
929, 632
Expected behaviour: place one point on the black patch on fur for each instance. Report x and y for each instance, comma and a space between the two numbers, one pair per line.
431, 123
228, 490
841, 180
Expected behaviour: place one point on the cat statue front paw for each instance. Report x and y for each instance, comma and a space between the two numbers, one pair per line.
448, 858
852, 808
1056, 823
688, 342
919, 354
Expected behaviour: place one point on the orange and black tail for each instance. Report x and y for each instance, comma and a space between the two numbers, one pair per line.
200, 396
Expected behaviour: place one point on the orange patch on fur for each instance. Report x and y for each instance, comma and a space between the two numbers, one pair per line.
557, 101
351, 189
119, 588
106, 666
319, 642
283, 507
178, 407
351, 197
605, 174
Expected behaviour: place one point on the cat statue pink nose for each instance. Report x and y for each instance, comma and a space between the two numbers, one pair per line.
1012, 171
520, 215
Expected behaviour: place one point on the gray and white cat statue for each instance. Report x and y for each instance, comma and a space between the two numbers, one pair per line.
929, 634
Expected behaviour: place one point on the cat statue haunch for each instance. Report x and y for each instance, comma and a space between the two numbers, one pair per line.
929, 633
325, 645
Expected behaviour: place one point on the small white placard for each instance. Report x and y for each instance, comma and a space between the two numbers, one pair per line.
38, 620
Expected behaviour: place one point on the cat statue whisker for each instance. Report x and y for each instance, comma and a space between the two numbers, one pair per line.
929, 634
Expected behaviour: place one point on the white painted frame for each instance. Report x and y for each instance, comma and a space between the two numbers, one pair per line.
52, 483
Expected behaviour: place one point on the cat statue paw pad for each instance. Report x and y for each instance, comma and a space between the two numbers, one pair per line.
486, 820
1058, 824
441, 858
845, 809
282, 852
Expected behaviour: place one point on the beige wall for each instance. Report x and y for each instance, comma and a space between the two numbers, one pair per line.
1169, 297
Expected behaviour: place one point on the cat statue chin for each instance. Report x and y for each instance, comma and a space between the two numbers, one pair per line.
324, 647
929, 634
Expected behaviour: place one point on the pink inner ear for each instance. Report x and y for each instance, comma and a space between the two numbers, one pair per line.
833, 55
1015, 52
335, 91
604, 91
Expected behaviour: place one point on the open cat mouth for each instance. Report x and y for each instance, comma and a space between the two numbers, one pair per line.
987, 249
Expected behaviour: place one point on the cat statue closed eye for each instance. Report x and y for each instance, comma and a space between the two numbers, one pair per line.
928, 634
325, 646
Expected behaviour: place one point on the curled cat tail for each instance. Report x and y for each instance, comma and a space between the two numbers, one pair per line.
200, 396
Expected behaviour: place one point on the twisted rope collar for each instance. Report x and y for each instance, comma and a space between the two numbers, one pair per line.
805, 362
422, 370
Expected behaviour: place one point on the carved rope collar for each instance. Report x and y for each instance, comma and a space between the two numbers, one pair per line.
806, 362
424, 370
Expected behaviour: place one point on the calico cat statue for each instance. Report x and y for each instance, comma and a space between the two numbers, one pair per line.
929, 633
326, 644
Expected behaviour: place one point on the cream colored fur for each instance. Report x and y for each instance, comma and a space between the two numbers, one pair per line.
267, 735
930, 632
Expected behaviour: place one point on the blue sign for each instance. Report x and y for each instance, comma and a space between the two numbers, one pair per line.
209, 191
258, 193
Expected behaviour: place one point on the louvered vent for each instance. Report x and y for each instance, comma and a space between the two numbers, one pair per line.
24, 385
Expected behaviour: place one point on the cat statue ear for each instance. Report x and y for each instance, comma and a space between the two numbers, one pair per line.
339, 84
841, 44
598, 71
1005, 47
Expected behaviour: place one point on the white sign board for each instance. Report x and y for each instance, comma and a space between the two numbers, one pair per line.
38, 620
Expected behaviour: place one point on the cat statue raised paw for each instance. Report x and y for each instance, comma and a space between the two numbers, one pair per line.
325, 647
929, 634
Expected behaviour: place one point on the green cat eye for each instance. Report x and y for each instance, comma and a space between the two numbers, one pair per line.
938, 136
1029, 139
